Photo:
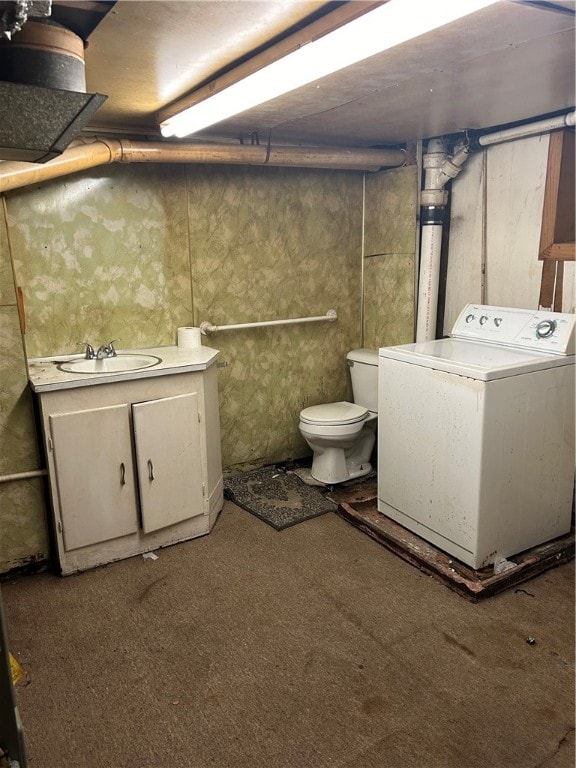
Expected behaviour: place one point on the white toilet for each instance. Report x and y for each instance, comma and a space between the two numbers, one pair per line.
342, 435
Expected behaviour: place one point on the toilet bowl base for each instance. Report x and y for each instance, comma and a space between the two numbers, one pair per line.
330, 469
347, 461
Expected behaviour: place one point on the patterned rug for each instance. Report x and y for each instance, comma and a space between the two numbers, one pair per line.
278, 498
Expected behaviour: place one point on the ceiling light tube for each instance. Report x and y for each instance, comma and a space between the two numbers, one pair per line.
378, 30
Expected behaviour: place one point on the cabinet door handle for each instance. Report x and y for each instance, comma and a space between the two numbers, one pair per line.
150, 470
122, 474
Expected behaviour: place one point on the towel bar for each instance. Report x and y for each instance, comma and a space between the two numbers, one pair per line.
206, 327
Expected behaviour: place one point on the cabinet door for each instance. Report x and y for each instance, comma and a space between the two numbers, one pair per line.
168, 457
95, 477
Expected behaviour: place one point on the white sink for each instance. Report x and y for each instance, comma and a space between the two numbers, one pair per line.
119, 364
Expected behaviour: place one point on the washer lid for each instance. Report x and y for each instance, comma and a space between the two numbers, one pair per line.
333, 413
474, 359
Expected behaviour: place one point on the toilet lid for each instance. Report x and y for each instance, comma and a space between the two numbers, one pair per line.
333, 413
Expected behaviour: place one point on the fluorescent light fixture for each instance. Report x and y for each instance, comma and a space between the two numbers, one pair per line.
385, 27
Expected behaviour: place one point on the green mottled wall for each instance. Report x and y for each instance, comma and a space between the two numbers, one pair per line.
103, 255
273, 244
23, 536
389, 257
133, 252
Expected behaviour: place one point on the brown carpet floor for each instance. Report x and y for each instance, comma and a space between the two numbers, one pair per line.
313, 647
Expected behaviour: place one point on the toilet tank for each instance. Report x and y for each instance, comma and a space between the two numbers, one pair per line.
363, 364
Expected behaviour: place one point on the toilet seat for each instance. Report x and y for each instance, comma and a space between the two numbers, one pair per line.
334, 414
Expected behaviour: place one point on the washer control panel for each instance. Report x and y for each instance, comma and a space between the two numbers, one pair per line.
552, 332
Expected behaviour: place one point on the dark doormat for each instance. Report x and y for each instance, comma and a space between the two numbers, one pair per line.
278, 498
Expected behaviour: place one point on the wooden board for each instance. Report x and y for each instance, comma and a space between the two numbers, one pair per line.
358, 506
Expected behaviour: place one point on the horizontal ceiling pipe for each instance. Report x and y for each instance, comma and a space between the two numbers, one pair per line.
14, 175
261, 154
523, 131
101, 151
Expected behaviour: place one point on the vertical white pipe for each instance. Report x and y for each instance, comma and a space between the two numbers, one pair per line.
418, 236
433, 198
430, 250
484, 246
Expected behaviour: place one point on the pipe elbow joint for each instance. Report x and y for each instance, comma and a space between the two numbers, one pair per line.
451, 169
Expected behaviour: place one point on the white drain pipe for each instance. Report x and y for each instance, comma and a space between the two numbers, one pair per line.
521, 131
439, 170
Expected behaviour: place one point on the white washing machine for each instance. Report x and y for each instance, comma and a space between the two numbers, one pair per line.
476, 433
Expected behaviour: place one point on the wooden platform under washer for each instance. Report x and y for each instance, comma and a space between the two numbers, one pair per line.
358, 505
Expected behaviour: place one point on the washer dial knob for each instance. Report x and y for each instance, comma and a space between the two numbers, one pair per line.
545, 329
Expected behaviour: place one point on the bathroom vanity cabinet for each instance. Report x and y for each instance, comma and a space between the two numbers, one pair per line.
134, 461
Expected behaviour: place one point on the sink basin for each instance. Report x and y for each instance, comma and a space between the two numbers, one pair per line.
119, 364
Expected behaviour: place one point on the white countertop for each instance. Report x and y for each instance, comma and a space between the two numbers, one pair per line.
45, 375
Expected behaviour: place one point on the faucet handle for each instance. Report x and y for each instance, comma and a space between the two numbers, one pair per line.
110, 347
90, 354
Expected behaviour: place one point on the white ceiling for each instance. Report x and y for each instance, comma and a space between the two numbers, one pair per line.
510, 62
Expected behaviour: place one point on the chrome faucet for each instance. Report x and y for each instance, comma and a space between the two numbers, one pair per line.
106, 350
